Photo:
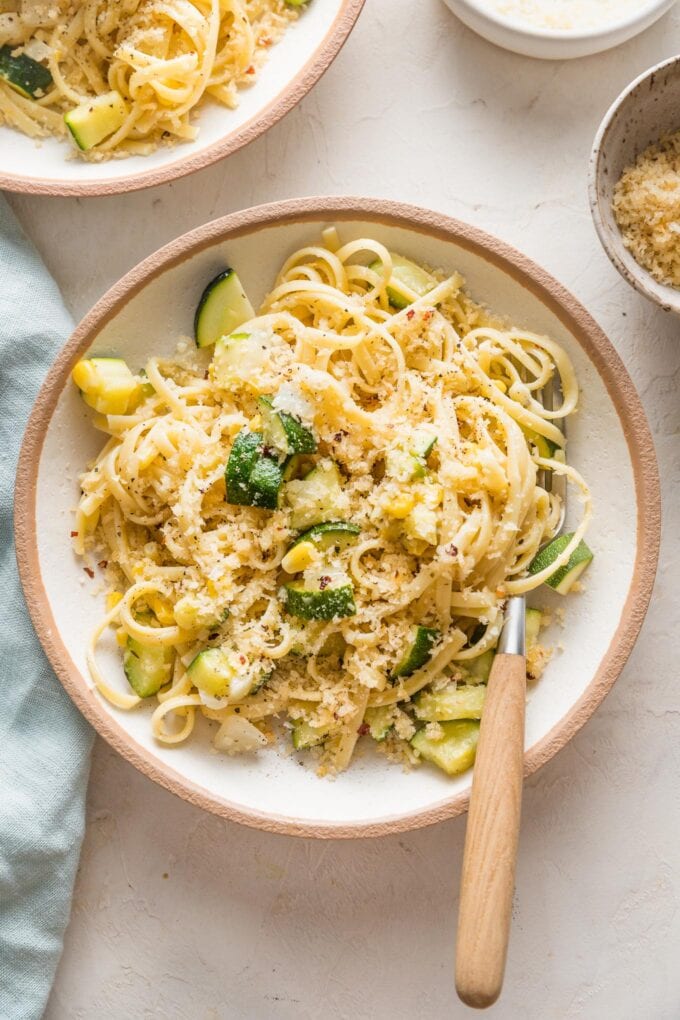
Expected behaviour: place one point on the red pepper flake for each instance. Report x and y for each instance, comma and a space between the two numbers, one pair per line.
103, 564
530, 676
452, 549
242, 659
264, 40
324, 582
250, 70
410, 313
428, 315
89, 571
74, 534
364, 729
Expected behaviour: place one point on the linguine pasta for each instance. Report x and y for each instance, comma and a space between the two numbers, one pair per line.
439, 541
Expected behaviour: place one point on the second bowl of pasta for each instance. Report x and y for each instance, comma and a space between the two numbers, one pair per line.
98, 98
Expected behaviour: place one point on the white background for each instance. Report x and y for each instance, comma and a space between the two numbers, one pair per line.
180, 915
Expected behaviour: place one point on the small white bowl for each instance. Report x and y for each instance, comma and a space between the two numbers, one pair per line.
646, 110
555, 44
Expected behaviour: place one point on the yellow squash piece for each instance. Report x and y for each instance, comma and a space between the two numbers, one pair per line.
106, 384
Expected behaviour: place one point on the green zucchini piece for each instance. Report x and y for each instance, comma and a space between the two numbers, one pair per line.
418, 653
305, 736
406, 277
283, 432
265, 481
330, 535
532, 626
480, 667
455, 752
223, 307
93, 121
544, 446
239, 357
424, 442
563, 579
245, 453
453, 702
23, 74
379, 721
147, 667
330, 602
316, 498
212, 672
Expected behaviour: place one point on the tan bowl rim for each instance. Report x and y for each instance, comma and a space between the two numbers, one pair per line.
558, 300
637, 276
289, 96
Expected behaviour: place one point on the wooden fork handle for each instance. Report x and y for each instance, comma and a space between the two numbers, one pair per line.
488, 877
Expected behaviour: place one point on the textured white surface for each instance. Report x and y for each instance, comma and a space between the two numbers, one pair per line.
253, 926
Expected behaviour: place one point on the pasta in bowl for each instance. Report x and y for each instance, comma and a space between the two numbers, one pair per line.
106, 96
305, 528
322, 522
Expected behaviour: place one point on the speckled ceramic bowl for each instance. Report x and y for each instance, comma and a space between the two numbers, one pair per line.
609, 442
646, 110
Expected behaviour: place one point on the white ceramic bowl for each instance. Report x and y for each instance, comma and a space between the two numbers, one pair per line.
646, 110
293, 66
555, 44
609, 441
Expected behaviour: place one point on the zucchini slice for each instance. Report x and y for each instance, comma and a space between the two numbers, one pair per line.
245, 452
23, 74
330, 535
223, 307
418, 653
331, 600
212, 672
408, 281
317, 498
380, 721
304, 735
453, 702
534, 618
283, 432
239, 357
563, 579
147, 667
93, 121
253, 479
455, 752
545, 447
480, 667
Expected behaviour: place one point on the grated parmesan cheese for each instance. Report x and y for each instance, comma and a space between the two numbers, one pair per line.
565, 15
646, 205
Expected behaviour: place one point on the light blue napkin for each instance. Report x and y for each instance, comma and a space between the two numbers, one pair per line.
44, 741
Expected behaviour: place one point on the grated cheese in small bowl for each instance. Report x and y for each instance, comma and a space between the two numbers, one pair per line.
565, 15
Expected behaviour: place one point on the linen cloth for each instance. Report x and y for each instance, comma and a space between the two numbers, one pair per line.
44, 741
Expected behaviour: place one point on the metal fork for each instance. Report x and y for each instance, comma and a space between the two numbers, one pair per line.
488, 875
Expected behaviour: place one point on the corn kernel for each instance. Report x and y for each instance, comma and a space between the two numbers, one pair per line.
112, 600
162, 610
255, 422
400, 506
300, 557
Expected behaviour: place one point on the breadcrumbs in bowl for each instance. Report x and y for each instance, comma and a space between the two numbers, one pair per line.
646, 206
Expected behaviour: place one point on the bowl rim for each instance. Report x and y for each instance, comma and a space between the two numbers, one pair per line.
292, 92
567, 35
636, 276
553, 295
